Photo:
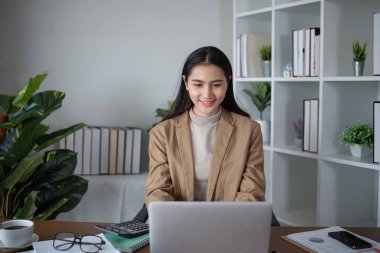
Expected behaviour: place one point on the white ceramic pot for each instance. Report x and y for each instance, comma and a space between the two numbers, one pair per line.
265, 130
359, 151
298, 142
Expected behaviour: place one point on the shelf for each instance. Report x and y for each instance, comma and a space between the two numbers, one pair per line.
293, 150
253, 79
298, 217
348, 159
298, 4
297, 79
351, 78
254, 12
267, 146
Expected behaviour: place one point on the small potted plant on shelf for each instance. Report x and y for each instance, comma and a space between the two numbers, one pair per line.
266, 57
260, 94
359, 137
359, 54
298, 128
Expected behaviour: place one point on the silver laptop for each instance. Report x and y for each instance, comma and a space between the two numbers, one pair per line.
220, 227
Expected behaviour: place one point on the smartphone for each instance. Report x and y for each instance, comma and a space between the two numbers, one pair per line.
350, 240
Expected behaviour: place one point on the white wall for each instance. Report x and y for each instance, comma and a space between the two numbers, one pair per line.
116, 60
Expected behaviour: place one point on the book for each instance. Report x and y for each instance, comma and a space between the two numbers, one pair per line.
238, 59
95, 151
319, 241
120, 151
128, 245
104, 150
301, 52
314, 125
376, 44
113, 135
78, 148
317, 53
295, 53
69, 141
376, 131
136, 150
86, 151
306, 125
315, 31
306, 63
128, 150
250, 53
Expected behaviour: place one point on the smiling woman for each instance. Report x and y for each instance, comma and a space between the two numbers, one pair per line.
206, 148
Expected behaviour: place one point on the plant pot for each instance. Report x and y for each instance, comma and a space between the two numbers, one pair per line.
298, 142
358, 68
265, 130
359, 151
3, 118
266, 68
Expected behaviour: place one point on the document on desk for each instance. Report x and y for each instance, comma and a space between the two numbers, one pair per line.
319, 241
47, 247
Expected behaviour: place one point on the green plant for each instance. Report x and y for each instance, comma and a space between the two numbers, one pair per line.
260, 94
266, 52
162, 112
359, 51
36, 184
361, 134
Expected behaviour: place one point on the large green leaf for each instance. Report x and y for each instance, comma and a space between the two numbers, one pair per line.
27, 92
58, 165
22, 172
5, 103
26, 210
33, 110
50, 212
49, 100
46, 140
25, 143
72, 189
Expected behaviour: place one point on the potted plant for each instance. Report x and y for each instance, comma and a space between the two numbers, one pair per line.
266, 57
298, 128
36, 184
359, 137
359, 53
260, 94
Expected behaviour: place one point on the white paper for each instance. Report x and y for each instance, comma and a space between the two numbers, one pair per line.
320, 241
47, 247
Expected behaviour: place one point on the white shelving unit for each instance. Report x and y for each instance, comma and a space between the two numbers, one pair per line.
330, 187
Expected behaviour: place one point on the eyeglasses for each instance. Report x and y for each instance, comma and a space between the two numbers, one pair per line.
87, 243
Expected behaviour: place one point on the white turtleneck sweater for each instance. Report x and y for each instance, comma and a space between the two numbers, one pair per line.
203, 131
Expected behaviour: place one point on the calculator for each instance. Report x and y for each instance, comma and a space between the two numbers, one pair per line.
128, 229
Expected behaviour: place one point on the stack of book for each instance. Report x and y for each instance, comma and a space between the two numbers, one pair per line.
306, 52
248, 54
105, 150
311, 124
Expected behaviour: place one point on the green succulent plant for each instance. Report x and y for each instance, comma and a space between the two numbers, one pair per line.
260, 94
361, 134
359, 51
35, 184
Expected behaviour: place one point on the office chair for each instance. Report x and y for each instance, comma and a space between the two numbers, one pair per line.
142, 216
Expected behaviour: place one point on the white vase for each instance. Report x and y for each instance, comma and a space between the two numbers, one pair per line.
298, 142
359, 151
265, 130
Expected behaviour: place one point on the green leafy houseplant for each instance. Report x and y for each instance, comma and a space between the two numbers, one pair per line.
266, 52
260, 94
33, 184
361, 134
359, 51
162, 112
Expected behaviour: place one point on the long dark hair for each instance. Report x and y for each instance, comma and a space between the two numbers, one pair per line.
211, 55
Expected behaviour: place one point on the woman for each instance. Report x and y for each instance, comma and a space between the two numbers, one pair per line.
206, 148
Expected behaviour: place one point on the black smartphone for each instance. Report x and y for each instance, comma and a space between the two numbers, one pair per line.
350, 240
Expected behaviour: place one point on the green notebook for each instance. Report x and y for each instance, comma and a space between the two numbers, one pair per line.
127, 245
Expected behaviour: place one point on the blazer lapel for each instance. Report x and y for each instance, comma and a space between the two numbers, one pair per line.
222, 138
185, 149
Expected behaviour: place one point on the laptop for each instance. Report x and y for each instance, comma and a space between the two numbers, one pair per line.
222, 227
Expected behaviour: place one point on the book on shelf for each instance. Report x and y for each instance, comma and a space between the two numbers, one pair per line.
295, 53
112, 162
69, 142
301, 52
120, 151
128, 150
104, 150
78, 148
250, 53
319, 241
376, 131
311, 125
136, 153
238, 57
128, 245
314, 51
317, 50
86, 151
95, 151
376, 44
307, 52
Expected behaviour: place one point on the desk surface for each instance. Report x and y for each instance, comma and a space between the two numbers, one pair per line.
47, 229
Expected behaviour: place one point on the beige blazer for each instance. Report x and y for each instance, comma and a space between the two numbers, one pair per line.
236, 172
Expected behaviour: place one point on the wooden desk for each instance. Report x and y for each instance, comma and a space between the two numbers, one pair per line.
47, 229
